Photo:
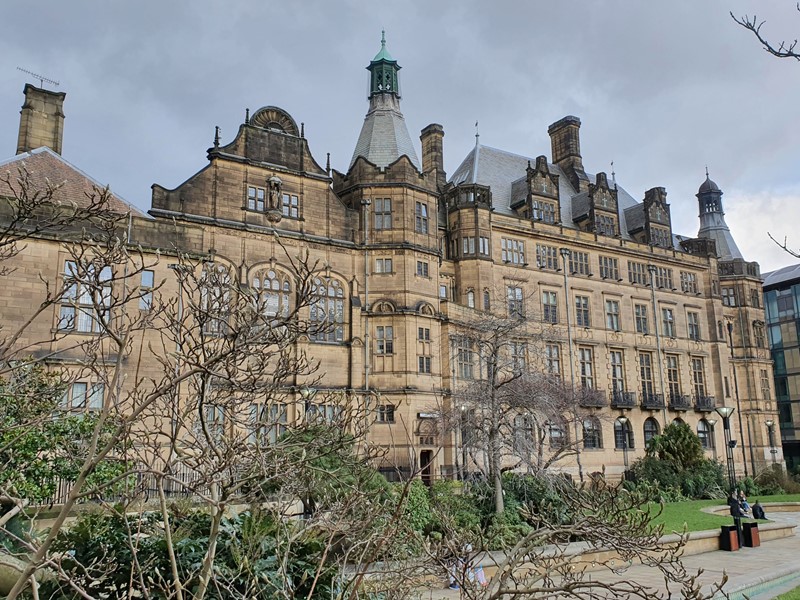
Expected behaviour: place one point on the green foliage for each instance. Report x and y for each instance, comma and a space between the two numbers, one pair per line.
540, 495
417, 510
112, 554
39, 443
677, 444
705, 479
776, 481
454, 507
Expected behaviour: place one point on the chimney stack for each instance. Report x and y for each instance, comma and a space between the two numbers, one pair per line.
565, 142
432, 138
41, 121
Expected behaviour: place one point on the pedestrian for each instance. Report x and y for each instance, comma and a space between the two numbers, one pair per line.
743, 504
736, 513
758, 511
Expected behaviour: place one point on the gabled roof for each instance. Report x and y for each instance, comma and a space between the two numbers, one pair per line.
501, 171
46, 167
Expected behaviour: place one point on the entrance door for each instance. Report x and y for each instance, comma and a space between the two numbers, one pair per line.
425, 461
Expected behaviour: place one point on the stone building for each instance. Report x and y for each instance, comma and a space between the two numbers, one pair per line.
661, 326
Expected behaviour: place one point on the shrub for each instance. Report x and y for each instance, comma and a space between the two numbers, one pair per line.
417, 511
704, 479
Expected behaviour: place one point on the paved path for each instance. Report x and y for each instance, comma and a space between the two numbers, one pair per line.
762, 573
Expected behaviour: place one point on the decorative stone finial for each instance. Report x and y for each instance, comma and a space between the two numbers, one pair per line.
216, 136
247, 116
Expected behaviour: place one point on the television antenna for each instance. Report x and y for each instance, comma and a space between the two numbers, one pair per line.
41, 78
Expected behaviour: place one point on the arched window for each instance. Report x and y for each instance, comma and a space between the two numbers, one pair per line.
215, 298
704, 433
678, 421
471, 298
623, 434
592, 435
327, 310
651, 429
487, 300
272, 293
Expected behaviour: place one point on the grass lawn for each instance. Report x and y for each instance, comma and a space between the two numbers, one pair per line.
675, 514
792, 595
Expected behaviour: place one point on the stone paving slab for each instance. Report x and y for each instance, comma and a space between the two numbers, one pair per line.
761, 572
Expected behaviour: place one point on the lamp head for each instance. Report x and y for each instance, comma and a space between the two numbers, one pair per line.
724, 411
732, 444
770, 423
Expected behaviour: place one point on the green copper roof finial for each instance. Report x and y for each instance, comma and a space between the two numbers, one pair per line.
383, 72
383, 54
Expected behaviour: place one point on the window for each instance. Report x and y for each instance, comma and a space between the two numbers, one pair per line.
758, 335
383, 265
483, 247
668, 321
81, 396
623, 434
384, 340
698, 377
443, 291
513, 251
673, 376
383, 213
422, 268
557, 432
755, 297
549, 307
617, 371
546, 257
424, 364
612, 315
273, 292
324, 413
385, 413
640, 318
471, 298
651, 429
765, 389
464, 358
487, 300
268, 422
579, 263
214, 417
327, 310
519, 351
663, 278
592, 436
720, 331
86, 301
582, 311
290, 206
255, 198
646, 374
421, 217
704, 433
659, 237
693, 323
146, 290
424, 334
609, 267
215, 298
586, 367
606, 225
468, 245
637, 273
728, 296
552, 355
544, 211
688, 282
515, 305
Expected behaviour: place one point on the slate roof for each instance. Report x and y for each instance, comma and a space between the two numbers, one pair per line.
782, 275
384, 136
45, 166
501, 171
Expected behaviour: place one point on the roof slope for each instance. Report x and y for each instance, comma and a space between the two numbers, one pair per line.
45, 167
782, 275
384, 136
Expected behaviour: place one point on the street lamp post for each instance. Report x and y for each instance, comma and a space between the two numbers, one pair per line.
736, 392
623, 421
770, 429
725, 412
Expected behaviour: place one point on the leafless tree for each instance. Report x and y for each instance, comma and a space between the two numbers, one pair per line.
513, 413
781, 49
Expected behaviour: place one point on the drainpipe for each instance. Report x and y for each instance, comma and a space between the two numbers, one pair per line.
365, 203
565, 254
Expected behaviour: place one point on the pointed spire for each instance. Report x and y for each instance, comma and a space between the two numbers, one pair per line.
477, 134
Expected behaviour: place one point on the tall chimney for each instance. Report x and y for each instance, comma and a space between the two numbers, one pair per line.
41, 121
565, 142
432, 138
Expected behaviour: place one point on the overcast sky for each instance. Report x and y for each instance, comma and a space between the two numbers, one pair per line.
662, 88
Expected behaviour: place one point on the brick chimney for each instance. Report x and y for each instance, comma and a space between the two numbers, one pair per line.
41, 121
565, 142
432, 138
